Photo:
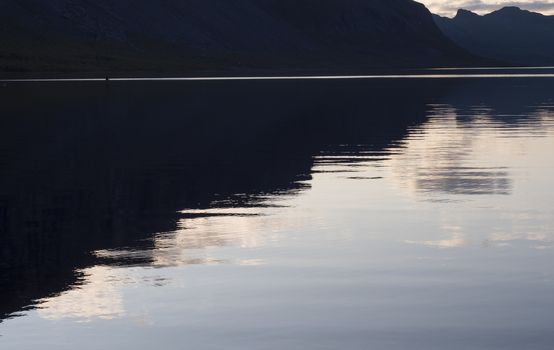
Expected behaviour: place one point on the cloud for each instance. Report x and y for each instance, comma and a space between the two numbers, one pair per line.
449, 7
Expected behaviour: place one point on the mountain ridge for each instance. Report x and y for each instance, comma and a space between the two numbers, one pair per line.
510, 34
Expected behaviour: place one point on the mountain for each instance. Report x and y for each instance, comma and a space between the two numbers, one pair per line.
510, 34
201, 35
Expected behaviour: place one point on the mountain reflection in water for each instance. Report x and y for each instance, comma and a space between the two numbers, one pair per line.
324, 190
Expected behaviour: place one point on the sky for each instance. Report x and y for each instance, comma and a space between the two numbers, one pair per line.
449, 7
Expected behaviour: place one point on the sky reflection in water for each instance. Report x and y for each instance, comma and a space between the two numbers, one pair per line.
442, 239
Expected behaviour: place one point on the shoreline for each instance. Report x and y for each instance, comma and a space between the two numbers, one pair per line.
237, 75
285, 77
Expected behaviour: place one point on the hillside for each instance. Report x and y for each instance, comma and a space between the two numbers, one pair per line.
192, 36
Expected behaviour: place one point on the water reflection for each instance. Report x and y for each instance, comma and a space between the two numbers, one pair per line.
225, 208
88, 169
97, 296
444, 157
197, 233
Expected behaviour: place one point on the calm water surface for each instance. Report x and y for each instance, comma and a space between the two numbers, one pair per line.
278, 215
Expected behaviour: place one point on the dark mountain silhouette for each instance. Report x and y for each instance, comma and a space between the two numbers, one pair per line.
196, 35
510, 34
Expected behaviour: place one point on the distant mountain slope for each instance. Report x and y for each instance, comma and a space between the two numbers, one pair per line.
510, 34
193, 35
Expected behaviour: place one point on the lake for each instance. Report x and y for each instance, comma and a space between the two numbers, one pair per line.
370, 213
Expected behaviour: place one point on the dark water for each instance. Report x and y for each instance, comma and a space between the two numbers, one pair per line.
355, 214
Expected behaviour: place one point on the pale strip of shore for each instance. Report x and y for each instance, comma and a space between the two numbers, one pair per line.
306, 77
